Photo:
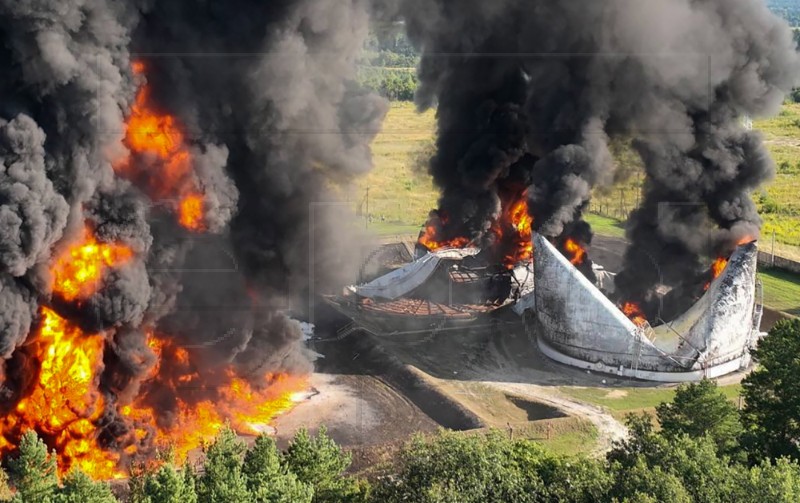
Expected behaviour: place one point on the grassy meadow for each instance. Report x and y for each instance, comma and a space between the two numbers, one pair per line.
401, 192
620, 402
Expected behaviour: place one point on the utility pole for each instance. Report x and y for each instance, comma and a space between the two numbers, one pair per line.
772, 264
366, 215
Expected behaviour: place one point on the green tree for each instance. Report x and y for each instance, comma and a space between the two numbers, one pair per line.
267, 480
564, 479
319, 462
777, 482
704, 475
79, 488
222, 480
5, 489
33, 472
136, 482
700, 409
189, 484
641, 482
453, 467
771, 414
168, 485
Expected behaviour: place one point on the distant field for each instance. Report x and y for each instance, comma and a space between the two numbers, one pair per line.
606, 226
623, 401
400, 189
779, 202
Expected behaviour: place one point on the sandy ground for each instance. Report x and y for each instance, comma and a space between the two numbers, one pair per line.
357, 410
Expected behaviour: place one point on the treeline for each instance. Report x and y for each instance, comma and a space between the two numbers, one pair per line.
388, 65
705, 451
395, 84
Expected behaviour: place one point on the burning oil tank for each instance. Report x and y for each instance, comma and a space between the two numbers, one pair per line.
577, 325
447, 287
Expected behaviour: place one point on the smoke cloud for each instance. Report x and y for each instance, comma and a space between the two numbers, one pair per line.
271, 122
674, 78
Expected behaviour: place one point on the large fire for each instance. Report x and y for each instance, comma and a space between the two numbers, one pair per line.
63, 404
70, 387
512, 231
160, 159
77, 272
202, 411
430, 240
522, 225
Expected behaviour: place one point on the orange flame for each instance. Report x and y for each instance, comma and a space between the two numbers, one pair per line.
575, 252
77, 272
716, 269
522, 224
514, 217
634, 312
64, 404
718, 266
247, 409
429, 240
157, 136
63, 401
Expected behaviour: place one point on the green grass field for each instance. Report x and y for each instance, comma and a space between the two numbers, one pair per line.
631, 399
621, 402
400, 189
564, 435
606, 226
781, 290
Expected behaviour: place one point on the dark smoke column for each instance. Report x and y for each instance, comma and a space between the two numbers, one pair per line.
270, 119
675, 77
271, 84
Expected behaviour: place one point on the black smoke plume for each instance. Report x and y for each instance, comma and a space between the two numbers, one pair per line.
273, 121
559, 79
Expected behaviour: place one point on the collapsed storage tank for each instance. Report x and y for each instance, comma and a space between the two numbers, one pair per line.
575, 324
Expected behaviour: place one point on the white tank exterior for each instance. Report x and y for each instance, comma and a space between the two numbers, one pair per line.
576, 324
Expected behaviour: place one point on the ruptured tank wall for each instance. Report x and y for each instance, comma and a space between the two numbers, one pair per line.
720, 326
576, 324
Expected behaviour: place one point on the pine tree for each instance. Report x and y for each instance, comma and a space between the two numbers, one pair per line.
223, 480
267, 480
189, 484
79, 488
167, 485
320, 462
700, 409
136, 483
33, 473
